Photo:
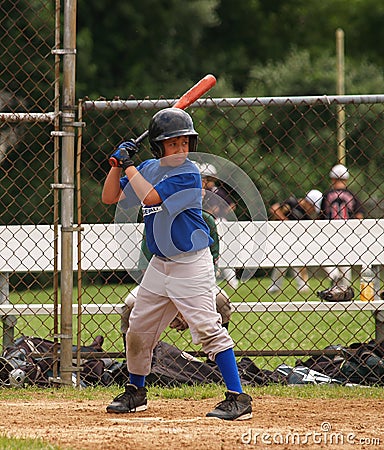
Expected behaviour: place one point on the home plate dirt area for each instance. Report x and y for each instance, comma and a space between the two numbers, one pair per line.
181, 424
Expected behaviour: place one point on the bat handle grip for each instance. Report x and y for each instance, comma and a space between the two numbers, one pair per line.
141, 137
113, 162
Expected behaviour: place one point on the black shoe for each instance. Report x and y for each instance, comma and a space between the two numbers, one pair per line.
134, 399
234, 407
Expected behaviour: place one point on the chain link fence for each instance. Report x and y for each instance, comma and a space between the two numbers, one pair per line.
282, 148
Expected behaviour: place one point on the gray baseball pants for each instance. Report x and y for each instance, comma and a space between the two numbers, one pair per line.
186, 284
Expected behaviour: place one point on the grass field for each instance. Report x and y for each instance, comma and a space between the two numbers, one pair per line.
25, 444
250, 331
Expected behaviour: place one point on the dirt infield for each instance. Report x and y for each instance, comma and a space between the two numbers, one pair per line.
173, 424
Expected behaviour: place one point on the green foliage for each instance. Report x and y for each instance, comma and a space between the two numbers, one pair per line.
26, 66
294, 141
143, 49
140, 48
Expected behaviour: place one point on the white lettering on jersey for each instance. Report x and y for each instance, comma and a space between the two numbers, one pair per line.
147, 210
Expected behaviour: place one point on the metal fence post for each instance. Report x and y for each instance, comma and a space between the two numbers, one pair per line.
67, 173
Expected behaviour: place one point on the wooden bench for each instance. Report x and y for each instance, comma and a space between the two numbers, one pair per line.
250, 245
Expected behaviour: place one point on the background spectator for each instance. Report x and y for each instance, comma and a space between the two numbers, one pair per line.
295, 209
339, 203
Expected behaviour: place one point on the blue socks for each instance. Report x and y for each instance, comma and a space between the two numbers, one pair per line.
229, 370
227, 364
137, 380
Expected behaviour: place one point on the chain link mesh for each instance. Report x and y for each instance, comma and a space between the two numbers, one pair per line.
300, 158
286, 146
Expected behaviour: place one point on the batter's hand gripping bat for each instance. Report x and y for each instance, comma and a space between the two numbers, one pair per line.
196, 91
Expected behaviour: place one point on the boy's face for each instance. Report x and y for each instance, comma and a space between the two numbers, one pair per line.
175, 151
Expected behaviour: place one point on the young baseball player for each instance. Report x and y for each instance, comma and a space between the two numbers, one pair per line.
180, 276
223, 303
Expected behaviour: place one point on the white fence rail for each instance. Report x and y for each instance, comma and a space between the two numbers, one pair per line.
109, 247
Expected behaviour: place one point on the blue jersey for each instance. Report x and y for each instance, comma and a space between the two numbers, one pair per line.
175, 225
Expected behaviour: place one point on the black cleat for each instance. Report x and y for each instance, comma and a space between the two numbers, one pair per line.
133, 399
234, 407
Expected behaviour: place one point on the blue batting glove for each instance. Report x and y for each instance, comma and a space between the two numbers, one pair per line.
122, 156
130, 146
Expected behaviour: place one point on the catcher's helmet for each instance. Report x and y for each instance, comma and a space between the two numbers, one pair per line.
169, 123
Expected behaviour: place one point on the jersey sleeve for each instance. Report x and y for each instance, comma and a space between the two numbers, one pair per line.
180, 191
131, 199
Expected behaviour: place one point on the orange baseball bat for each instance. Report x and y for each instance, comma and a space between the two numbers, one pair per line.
194, 93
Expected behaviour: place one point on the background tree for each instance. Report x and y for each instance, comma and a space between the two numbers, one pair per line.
153, 48
298, 144
141, 47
